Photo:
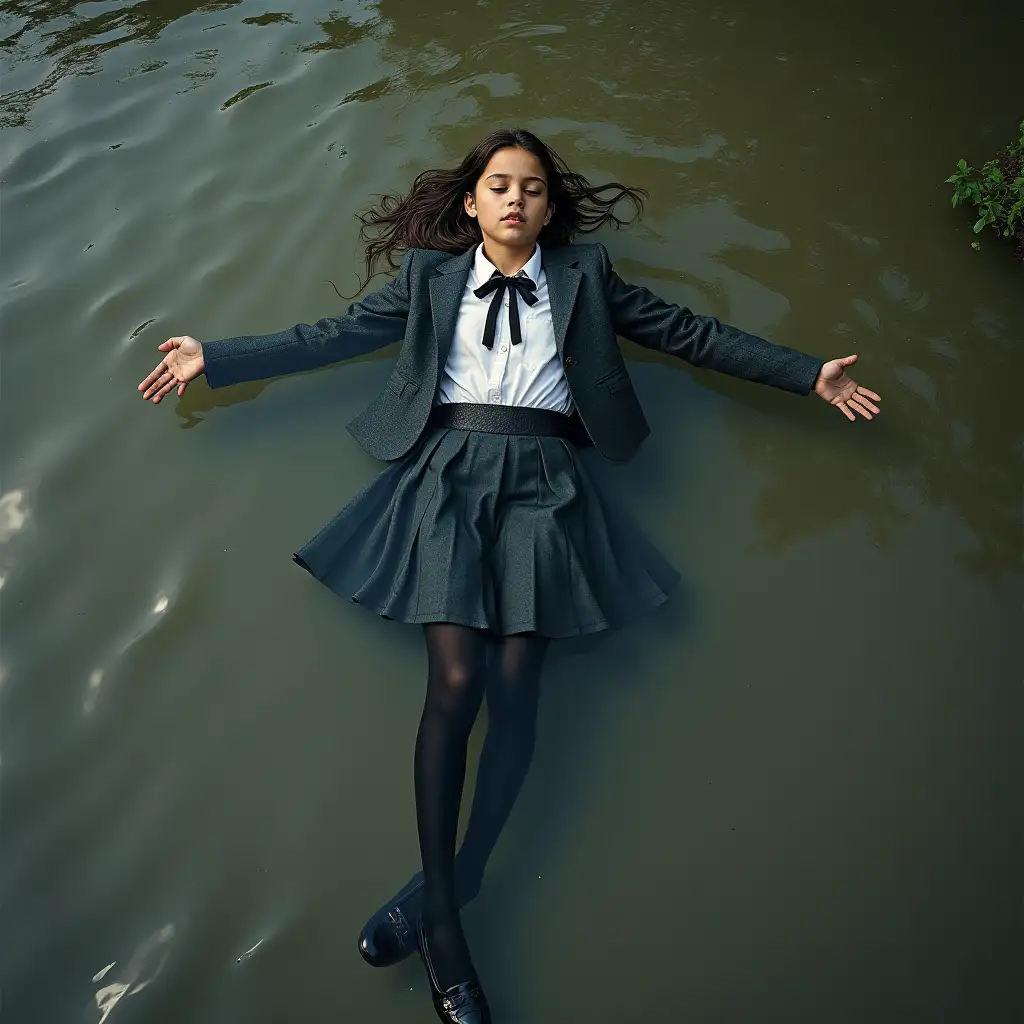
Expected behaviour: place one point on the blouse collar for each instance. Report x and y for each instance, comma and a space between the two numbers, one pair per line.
484, 268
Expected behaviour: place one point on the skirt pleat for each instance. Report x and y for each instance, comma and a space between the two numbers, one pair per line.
506, 533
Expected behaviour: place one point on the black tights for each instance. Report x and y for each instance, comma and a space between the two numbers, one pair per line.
463, 664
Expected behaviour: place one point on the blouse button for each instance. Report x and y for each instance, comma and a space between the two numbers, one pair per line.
504, 348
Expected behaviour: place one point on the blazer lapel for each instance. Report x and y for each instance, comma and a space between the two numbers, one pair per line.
563, 283
447, 287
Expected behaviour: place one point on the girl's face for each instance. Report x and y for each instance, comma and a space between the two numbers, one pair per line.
511, 199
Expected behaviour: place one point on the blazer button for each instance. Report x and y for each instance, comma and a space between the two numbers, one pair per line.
569, 362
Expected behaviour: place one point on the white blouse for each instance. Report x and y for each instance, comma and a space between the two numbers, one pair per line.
528, 374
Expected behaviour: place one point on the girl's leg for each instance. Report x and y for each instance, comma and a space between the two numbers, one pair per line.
456, 660
513, 691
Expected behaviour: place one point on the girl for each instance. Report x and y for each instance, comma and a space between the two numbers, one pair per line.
487, 528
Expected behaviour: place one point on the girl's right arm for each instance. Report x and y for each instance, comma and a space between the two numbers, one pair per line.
367, 325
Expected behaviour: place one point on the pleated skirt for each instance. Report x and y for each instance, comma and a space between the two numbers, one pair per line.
501, 532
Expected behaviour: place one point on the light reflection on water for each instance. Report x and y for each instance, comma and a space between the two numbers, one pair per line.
141, 970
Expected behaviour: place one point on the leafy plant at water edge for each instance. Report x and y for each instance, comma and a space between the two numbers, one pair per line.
996, 190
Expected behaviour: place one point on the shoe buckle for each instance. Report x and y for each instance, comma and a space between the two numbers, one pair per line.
401, 926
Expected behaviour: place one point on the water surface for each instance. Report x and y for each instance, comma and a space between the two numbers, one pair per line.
790, 795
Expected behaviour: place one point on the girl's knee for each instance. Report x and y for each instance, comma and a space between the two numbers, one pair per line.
455, 687
456, 677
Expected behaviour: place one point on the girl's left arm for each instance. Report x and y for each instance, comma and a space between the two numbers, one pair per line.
641, 316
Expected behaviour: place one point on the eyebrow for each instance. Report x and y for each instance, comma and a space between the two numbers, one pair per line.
531, 177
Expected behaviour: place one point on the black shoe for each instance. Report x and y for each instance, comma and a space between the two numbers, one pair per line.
464, 1003
390, 935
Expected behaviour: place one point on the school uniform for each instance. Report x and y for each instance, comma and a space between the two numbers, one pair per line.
487, 515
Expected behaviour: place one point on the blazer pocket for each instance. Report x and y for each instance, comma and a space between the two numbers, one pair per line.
401, 384
615, 381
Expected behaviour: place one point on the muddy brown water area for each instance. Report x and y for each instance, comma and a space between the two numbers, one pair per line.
792, 794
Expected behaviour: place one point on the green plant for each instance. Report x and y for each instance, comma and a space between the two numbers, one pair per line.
996, 190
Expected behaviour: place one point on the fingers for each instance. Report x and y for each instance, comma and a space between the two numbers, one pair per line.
852, 405
153, 382
161, 369
861, 399
159, 384
163, 379
870, 394
848, 360
857, 407
163, 391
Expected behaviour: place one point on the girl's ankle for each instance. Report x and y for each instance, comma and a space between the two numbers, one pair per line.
467, 884
435, 917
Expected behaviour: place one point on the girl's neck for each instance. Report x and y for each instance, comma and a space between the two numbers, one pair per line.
509, 261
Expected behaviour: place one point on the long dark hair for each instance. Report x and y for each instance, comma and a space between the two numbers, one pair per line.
432, 215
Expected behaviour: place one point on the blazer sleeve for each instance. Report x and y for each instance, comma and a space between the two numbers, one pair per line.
375, 321
641, 316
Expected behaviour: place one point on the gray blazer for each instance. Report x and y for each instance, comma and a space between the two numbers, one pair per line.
590, 305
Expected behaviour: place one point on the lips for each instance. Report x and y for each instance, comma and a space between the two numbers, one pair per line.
513, 218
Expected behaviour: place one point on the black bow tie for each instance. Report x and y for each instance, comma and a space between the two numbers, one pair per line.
498, 284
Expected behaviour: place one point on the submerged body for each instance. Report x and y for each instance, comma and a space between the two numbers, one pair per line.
487, 528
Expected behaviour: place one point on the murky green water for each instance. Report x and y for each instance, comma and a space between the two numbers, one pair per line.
791, 795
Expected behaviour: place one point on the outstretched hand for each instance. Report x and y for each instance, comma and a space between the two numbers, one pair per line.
183, 362
836, 388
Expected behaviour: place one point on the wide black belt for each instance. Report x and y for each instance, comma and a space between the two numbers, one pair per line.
509, 419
